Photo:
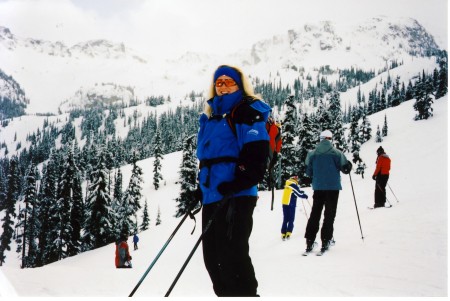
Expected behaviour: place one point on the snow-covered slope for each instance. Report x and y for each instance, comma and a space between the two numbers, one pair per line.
403, 254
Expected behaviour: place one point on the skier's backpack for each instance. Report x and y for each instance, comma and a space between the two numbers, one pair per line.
273, 129
122, 254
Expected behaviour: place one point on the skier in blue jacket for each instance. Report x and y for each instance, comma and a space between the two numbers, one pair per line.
232, 162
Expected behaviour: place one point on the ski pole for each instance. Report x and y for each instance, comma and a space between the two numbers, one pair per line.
356, 206
393, 193
304, 208
188, 213
208, 224
271, 187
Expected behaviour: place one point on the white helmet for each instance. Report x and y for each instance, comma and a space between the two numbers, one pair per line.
326, 134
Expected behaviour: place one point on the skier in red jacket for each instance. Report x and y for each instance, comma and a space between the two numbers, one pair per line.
381, 176
123, 257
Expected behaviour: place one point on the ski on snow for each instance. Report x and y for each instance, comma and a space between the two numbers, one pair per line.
372, 208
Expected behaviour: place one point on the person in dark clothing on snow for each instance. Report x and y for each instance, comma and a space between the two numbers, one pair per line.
323, 165
381, 177
289, 203
231, 164
135, 241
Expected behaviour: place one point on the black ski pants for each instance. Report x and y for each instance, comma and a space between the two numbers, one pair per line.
226, 248
321, 199
380, 190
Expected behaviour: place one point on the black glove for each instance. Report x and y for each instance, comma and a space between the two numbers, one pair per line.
306, 181
374, 177
198, 194
226, 188
347, 167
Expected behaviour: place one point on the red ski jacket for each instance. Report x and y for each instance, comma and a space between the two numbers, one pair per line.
383, 165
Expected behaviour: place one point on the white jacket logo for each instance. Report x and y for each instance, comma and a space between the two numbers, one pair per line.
253, 132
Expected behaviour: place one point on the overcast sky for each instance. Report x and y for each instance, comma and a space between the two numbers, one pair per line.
171, 27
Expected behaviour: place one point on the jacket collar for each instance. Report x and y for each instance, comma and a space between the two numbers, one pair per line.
224, 104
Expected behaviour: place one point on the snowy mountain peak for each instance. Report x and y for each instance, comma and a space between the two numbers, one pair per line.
328, 43
92, 49
100, 94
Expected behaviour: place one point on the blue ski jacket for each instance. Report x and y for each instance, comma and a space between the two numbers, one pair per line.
238, 157
323, 165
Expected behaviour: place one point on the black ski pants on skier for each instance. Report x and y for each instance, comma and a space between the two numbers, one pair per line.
226, 248
380, 190
321, 199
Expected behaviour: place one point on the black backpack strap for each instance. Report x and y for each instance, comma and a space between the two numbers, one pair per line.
231, 116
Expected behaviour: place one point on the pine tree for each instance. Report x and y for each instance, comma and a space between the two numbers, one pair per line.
9, 214
158, 217
2, 186
117, 202
384, 131
422, 91
396, 99
306, 143
47, 197
64, 207
145, 218
157, 176
28, 223
76, 217
353, 137
365, 130
289, 150
336, 115
131, 200
442, 85
98, 230
188, 176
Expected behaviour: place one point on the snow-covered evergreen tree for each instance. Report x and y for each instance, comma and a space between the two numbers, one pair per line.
76, 216
9, 209
422, 91
145, 218
29, 246
289, 157
442, 84
98, 230
26, 223
188, 176
337, 127
384, 130
395, 96
117, 202
323, 117
47, 197
64, 205
353, 136
131, 200
158, 217
365, 129
157, 176
307, 138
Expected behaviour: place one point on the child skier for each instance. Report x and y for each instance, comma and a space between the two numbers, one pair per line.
289, 201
